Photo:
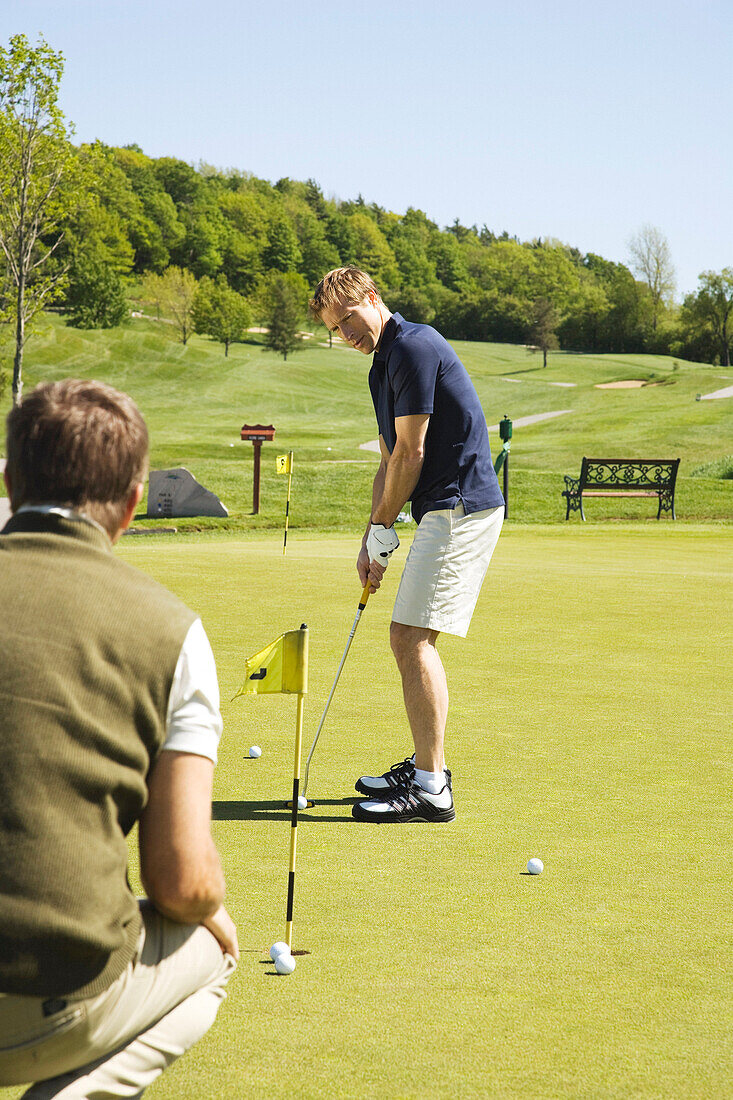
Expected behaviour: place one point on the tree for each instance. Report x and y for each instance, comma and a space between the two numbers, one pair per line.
710, 311
173, 293
652, 260
373, 253
219, 312
282, 252
96, 297
159, 229
445, 253
611, 312
151, 292
285, 314
541, 332
35, 158
246, 213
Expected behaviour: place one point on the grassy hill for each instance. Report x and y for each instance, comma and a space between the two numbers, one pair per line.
195, 401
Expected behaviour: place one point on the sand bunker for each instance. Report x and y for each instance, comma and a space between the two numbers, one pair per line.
627, 384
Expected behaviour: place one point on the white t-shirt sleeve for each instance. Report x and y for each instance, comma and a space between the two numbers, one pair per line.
194, 723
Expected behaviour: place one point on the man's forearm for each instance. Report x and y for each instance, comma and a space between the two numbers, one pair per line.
377, 492
179, 864
400, 478
188, 894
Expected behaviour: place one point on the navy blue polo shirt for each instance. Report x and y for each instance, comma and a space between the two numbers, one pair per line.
417, 371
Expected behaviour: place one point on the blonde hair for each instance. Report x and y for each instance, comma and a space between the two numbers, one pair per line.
346, 284
80, 444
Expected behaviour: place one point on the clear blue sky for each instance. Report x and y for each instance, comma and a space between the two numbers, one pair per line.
577, 120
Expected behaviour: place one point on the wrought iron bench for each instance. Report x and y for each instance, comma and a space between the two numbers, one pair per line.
623, 477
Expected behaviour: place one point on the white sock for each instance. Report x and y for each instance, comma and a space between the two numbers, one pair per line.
432, 782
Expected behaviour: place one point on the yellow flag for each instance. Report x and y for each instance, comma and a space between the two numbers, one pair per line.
282, 667
284, 464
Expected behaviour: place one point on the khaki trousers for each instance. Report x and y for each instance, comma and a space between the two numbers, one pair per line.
117, 1043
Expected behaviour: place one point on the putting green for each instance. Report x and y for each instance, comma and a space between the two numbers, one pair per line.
589, 726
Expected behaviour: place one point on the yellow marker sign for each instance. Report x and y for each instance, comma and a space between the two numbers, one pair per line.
284, 465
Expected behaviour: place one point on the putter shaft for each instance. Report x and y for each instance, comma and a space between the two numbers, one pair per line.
362, 605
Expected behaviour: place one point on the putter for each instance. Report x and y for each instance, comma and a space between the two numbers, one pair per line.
362, 605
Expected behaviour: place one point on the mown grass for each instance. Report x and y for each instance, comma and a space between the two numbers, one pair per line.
195, 401
589, 725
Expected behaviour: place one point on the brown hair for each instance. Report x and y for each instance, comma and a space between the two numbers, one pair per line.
347, 284
80, 444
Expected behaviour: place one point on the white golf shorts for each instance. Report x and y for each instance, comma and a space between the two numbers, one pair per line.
445, 569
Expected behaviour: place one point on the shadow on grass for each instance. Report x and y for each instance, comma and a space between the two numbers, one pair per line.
275, 810
522, 370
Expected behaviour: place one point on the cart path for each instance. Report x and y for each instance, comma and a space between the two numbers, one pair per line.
520, 422
727, 392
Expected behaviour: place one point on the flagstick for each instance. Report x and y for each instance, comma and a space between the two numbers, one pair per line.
287, 506
294, 823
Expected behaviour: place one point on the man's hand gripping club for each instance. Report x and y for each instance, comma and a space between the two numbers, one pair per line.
381, 543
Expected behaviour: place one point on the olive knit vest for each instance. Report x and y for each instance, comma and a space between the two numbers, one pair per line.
88, 651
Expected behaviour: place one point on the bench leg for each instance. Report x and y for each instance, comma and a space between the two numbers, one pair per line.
574, 503
666, 503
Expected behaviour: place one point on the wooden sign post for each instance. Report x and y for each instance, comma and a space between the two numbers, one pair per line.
258, 434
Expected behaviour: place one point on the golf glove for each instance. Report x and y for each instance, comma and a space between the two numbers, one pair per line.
381, 543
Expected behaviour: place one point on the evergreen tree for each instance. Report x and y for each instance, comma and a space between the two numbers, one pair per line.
541, 333
285, 315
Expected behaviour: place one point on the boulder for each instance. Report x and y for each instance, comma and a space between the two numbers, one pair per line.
178, 493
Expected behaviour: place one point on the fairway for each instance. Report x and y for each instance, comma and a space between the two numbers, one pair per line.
195, 401
589, 726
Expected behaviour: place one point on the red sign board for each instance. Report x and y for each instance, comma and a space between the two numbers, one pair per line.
261, 432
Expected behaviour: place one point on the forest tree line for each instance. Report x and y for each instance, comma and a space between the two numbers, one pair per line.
147, 214
224, 248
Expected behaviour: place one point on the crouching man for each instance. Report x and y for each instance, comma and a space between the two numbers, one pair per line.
109, 716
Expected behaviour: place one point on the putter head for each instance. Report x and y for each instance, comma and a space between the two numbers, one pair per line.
309, 804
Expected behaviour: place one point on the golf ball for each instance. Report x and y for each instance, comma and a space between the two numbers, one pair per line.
302, 802
279, 948
255, 751
535, 866
285, 963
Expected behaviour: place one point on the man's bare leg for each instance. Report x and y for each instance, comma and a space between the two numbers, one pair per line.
425, 691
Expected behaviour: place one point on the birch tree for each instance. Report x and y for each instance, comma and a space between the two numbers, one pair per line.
652, 259
35, 159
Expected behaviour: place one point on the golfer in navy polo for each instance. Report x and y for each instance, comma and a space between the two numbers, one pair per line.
435, 453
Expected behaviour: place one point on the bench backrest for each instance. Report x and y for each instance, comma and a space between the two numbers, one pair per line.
637, 473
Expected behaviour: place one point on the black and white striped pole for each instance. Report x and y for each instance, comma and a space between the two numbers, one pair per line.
303, 642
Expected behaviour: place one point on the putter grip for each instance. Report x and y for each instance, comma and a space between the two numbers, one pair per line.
365, 596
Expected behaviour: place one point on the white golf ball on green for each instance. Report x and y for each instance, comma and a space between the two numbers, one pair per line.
302, 802
279, 948
285, 963
255, 751
535, 866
